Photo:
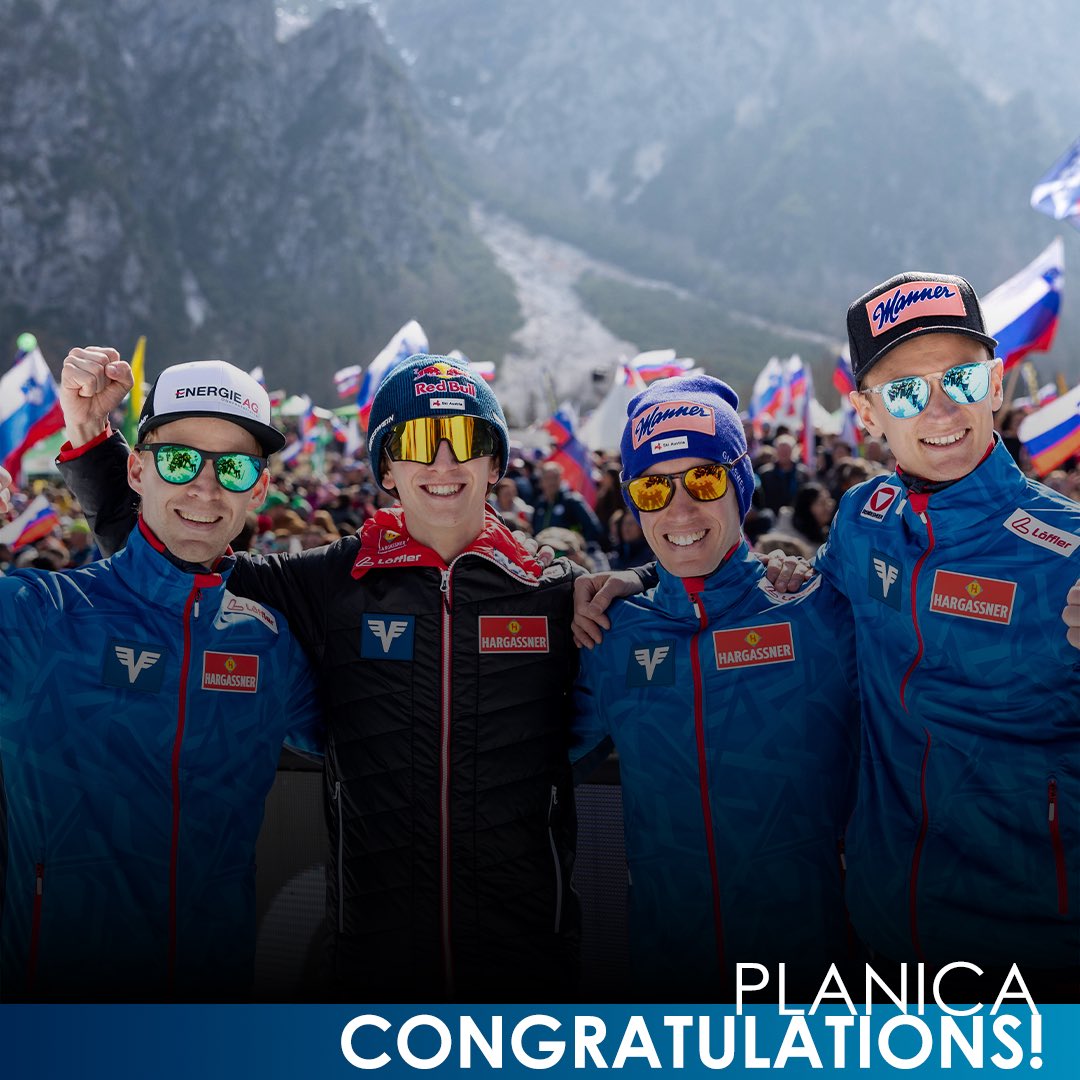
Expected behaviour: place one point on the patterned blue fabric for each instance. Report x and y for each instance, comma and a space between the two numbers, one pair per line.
94, 667
780, 744
965, 838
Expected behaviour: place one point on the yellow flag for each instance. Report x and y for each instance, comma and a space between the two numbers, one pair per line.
135, 398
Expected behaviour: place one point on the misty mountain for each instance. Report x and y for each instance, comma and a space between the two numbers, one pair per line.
778, 158
178, 170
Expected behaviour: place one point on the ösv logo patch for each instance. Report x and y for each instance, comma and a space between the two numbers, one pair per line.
387, 637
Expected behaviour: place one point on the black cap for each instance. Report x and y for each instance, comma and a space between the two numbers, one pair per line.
910, 304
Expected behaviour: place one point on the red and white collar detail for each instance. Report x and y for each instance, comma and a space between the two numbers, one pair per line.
385, 543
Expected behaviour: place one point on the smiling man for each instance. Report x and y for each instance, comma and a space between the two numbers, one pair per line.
143, 706
964, 841
445, 660
735, 715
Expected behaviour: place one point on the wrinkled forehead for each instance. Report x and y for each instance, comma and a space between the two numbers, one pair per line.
676, 465
207, 433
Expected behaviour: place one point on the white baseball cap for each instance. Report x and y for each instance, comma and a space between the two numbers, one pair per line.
211, 388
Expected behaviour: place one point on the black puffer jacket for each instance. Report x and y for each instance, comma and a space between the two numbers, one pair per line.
448, 790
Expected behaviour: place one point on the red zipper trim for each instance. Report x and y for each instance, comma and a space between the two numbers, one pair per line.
181, 714
703, 780
913, 909
444, 782
35, 924
920, 509
1053, 809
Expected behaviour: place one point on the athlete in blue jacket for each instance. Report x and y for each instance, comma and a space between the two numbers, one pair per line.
964, 844
735, 715
142, 713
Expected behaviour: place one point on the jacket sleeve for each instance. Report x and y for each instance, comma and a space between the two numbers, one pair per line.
306, 731
24, 608
590, 739
298, 586
97, 475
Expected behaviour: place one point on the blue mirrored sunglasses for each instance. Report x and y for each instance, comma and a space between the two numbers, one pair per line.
907, 397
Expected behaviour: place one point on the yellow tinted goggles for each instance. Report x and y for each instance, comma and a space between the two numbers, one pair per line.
418, 440
705, 483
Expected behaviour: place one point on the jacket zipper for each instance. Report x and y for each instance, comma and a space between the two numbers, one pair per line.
444, 780
555, 857
340, 859
913, 907
1053, 817
924, 517
703, 779
35, 924
191, 612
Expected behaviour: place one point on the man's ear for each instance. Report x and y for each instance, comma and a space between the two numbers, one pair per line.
862, 403
258, 492
135, 471
388, 476
997, 384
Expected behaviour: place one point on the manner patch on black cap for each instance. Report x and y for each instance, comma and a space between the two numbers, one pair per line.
906, 305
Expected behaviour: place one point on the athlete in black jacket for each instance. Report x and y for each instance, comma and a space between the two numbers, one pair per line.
445, 658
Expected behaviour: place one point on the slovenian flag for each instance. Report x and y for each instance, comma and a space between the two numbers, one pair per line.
1052, 434
35, 522
1058, 192
408, 341
347, 381
660, 364
1022, 313
767, 396
29, 404
795, 381
571, 453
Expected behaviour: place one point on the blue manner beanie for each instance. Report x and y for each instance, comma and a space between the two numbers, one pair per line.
692, 416
424, 386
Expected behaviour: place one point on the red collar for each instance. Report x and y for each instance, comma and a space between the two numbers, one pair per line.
385, 544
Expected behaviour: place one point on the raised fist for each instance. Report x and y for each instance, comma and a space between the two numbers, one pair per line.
94, 381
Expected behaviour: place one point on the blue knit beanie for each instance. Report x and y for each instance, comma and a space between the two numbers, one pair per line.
692, 416
425, 386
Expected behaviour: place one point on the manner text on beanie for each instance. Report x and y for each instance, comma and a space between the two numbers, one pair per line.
693, 416
432, 386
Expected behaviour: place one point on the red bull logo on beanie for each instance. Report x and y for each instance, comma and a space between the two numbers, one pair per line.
913, 300
443, 378
673, 416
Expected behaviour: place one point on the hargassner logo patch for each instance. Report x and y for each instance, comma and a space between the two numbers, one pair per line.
134, 666
387, 637
970, 597
390, 540
884, 579
913, 300
514, 633
881, 500
1038, 532
651, 664
236, 672
673, 416
750, 646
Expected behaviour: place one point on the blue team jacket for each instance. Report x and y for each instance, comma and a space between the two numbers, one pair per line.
964, 841
142, 714
735, 715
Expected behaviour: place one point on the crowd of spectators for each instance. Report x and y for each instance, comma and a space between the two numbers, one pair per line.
793, 505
